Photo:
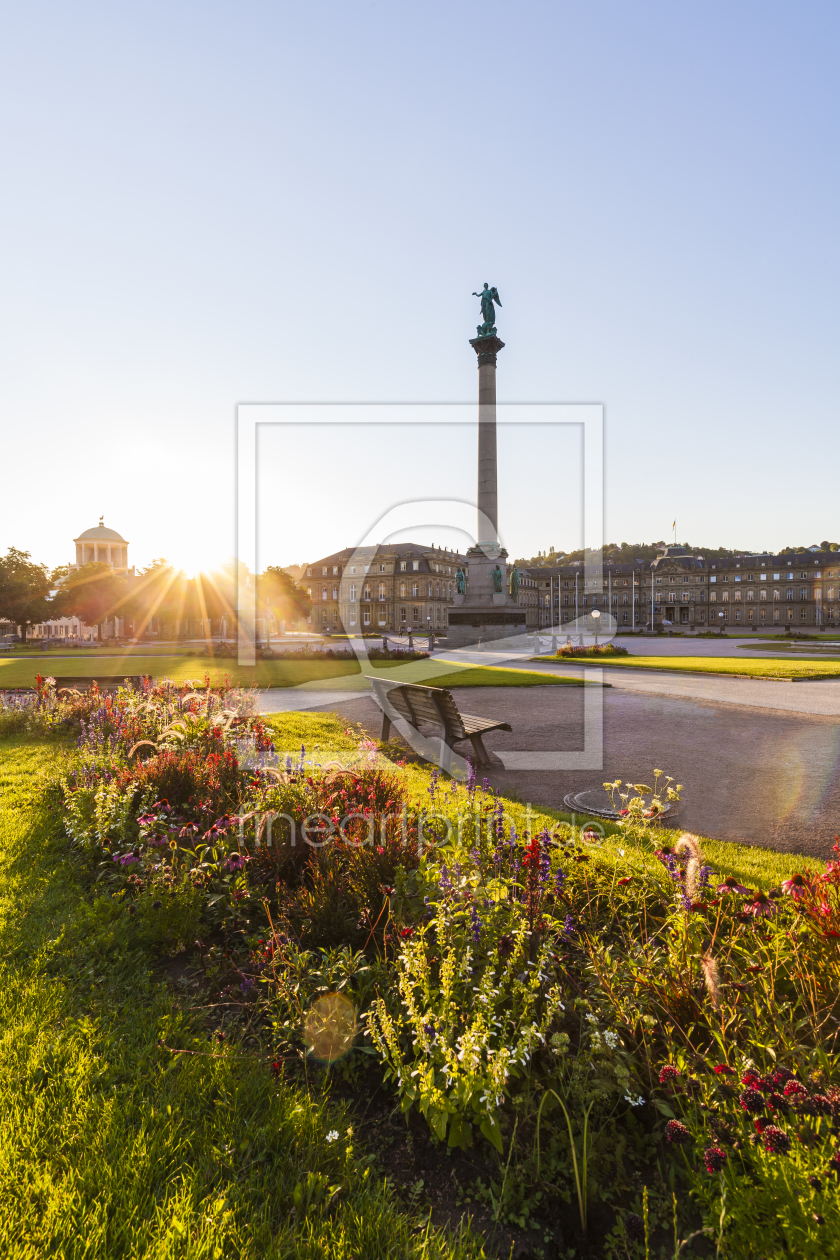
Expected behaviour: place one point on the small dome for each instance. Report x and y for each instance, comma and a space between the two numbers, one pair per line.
100, 533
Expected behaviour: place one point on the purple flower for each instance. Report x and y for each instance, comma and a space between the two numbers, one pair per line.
475, 924
559, 880
569, 926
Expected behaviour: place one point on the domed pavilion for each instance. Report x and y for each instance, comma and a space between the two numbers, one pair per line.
103, 545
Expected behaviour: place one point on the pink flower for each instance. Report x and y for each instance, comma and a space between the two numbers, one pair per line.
722, 1069
676, 1132
797, 886
730, 885
776, 1141
668, 1073
761, 905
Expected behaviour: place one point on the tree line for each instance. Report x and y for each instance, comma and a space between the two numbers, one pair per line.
159, 600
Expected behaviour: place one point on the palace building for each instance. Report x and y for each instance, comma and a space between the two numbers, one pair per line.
97, 545
735, 592
392, 588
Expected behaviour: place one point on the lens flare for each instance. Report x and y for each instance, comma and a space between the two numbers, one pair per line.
330, 1027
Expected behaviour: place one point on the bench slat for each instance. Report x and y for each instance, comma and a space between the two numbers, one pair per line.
436, 706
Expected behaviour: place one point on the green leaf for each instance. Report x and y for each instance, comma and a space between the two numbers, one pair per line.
662, 1106
492, 1132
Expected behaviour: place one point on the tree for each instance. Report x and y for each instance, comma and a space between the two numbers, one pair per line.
280, 594
24, 590
94, 593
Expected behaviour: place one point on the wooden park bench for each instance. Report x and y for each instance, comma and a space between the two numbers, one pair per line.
432, 706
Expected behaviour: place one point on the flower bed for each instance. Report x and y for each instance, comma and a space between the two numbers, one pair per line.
573, 1008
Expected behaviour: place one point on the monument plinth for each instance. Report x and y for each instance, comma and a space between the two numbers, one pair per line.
487, 606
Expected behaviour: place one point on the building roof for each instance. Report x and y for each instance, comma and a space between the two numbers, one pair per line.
100, 533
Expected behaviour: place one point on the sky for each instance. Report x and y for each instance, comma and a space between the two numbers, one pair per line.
207, 204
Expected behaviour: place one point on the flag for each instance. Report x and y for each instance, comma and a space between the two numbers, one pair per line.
674, 526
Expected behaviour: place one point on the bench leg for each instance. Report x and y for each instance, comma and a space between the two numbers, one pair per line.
386, 729
479, 750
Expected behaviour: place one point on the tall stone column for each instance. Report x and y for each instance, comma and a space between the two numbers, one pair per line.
487, 533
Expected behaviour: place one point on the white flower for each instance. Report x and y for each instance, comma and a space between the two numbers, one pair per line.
611, 1039
332, 1136
634, 1102
621, 853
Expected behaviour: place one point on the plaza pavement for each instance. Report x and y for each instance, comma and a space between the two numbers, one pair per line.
759, 760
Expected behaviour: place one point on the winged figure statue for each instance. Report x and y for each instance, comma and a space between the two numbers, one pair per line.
488, 296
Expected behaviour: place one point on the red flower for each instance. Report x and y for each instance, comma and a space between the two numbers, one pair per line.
752, 1101
793, 1087
723, 1069
676, 1132
627, 879
776, 1141
714, 1158
668, 1073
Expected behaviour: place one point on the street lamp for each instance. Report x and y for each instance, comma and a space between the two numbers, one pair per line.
596, 615
721, 615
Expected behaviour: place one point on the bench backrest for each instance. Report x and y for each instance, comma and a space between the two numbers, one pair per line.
422, 704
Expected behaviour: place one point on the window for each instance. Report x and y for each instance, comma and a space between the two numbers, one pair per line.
762, 577
402, 566
309, 573
382, 568
415, 590
737, 577
402, 614
672, 580
565, 601
762, 595
790, 577
366, 591
416, 612
335, 616
751, 595
367, 567
685, 597
323, 592
750, 614
789, 593
450, 590
430, 590
790, 614
738, 615
776, 577
335, 570
366, 617
415, 564
381, 592
777, 594
776, 614
352, 592
702, 597
803, 592
402, 590
803, 575
352, 568
335, 592
725, 596
803, 614
713, 578
750, 577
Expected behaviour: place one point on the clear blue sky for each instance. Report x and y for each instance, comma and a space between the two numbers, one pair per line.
206, 203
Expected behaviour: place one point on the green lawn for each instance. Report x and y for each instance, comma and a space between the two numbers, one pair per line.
726, 665
277, 673
114, 1148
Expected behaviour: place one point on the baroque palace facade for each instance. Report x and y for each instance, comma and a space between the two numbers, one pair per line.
735, 592
393, 588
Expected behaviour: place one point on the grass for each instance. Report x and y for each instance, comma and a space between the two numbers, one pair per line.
111, 1146
782, 669
277, 673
